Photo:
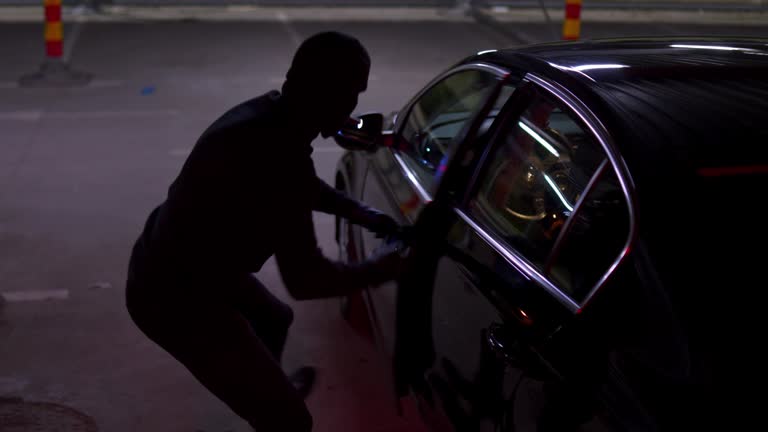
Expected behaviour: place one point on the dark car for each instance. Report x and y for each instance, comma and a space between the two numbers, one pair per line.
588, 236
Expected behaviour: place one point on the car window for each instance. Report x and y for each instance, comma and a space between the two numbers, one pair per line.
504, 94
539, 167
598, 232
439, 116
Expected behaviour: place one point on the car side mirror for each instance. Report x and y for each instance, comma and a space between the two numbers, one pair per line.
361, 133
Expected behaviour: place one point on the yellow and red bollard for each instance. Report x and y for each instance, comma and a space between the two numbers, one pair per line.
54, 29
54, 72
572, 23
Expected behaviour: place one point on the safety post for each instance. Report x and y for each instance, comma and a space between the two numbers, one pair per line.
572, 23
54, 30
54, 72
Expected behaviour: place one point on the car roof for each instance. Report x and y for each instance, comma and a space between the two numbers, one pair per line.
668, 102
604, 60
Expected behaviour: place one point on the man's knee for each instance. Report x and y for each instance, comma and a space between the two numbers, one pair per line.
302, 421
287, 419
135, 304
277, 322
287, 316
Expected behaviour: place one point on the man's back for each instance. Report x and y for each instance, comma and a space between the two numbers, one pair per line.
222, 211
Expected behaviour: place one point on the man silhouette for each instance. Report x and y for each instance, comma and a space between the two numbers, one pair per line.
247, 192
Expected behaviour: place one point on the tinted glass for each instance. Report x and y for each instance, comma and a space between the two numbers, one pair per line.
539, 167
599, 230
440, 115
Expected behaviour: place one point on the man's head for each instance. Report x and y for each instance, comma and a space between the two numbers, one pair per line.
327, 74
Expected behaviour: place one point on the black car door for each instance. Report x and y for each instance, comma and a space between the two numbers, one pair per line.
488, 323
403, 177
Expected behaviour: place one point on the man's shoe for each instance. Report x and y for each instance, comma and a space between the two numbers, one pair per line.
303, 379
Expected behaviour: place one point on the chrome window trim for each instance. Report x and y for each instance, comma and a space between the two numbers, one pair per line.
412, 178
489, 67
617, 163
556, 248
409, 173
499, 72
522, 265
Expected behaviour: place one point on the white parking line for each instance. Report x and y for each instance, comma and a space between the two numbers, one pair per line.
184, 152
180, 152
328, 150
295, 36
35, 295
73, 35
109, 114
10, 385
34, 115
21, 115
105, 83
100, 285
95, 84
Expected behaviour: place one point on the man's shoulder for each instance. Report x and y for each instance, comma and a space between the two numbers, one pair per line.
262, 106
257, 113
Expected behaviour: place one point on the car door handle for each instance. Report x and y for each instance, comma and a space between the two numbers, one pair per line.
499, 342
514, 353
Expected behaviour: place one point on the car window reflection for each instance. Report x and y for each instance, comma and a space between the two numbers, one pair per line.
439, 116
539, 168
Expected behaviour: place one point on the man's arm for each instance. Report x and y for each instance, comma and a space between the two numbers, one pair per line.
331, 201
307, 274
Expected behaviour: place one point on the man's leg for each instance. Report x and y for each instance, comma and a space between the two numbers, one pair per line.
269, 317
217, 344
231, 361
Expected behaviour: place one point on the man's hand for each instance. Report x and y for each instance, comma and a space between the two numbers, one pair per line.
389, 261
376, 222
